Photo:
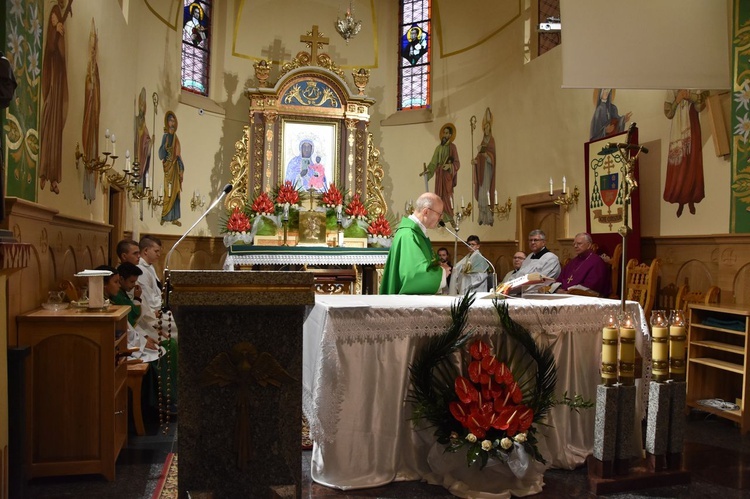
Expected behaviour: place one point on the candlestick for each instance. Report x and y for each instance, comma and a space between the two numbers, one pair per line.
551, 190
609, 351
659, 346
565, 184
626, 371
677, 339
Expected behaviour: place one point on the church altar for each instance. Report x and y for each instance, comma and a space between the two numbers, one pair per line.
357, 263
356, 354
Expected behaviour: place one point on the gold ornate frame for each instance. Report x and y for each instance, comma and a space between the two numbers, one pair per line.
308, 94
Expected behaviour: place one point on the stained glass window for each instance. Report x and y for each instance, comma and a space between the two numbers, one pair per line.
414, 54
549, 11
196, 45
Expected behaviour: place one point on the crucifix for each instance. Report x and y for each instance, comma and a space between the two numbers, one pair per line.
315, 40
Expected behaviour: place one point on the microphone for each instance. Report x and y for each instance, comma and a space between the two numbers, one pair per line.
224, 192
623, 145
494, 274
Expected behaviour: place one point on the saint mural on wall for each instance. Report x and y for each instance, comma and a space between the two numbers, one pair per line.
684, 183
606, 120
171, 156
484, 166
142, 146
54, 97
91, 110
444, 167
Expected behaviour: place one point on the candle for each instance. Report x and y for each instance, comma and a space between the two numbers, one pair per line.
489, 201
609, 352
565, 185
495, 196
451, 202
286, 211
113, 145
659, 351
627, 351
106, 139
127, 160
677, 352
462, 202
551, 191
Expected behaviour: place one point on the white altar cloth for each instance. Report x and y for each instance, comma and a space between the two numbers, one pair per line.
357, 350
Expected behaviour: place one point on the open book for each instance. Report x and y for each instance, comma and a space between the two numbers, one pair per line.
525, 280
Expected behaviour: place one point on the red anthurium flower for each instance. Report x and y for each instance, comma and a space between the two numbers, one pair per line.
465, 390
479, 349
525, 418
475, 371
238, 221
262, 205
489, 364
333, 197
477, 424
287, 194
355, 208
459, 411
503, 374
515, 393
380, 227
503, 401
491, 389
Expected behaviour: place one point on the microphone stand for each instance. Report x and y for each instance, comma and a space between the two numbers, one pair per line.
493, 276
224, 192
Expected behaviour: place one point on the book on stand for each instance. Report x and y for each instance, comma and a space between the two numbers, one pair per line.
518, 283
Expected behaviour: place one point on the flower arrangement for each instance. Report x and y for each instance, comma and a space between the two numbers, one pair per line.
237, 222
286, 193
492, 410
356, 209
262, 205
332, 197
380, 227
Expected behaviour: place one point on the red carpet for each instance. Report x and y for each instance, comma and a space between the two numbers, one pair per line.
167, 486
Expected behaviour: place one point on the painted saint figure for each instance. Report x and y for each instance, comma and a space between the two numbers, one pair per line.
142, 139
684, 183
194, 29
306, 172
606, 120
414, 44
444, 166
484, 165
171, 156
54, 97
91, 109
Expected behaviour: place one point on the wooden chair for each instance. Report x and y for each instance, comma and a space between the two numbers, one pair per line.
640, 283
667, 299
686, 297
615, 263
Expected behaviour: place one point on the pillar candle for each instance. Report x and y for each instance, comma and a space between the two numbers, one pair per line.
565, 185
659, 352
114, 139
609, 355
551, 191
489, 201
677, 351
462, 202
626, 368
495, 196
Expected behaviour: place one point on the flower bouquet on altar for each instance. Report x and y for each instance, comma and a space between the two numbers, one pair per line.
236, 228
483, 411
333, 201
287, 203
265, 221
379, 233
355, 224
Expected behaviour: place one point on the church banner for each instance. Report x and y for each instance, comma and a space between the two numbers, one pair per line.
740, 205
605, 195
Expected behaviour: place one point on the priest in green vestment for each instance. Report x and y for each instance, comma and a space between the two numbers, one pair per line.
412, 267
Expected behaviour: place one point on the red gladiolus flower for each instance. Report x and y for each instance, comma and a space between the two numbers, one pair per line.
356, 209
380, 227
333, 197
262, 205
287, 194
238, 221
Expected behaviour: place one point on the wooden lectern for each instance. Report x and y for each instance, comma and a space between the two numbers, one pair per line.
239, 383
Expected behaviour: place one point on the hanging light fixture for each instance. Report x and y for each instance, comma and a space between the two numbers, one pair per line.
348, 27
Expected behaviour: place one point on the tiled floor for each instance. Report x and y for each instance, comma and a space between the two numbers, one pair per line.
715, 454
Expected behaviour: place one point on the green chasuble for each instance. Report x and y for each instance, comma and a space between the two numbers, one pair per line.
122, 298
411, 267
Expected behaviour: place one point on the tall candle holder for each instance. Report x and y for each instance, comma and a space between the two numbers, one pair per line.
626, 357
609, 350
659, 346
285, 223
677, 340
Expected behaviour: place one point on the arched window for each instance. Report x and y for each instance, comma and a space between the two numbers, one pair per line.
196, 45
415, 47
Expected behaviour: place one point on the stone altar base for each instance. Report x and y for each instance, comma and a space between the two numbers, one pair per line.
240, 374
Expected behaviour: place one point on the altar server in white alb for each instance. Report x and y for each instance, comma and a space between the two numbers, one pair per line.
540, 259
470, 274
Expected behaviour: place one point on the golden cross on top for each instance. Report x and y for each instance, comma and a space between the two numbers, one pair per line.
315, 40
609, 164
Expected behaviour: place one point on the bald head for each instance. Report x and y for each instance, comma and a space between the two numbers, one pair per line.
428, 209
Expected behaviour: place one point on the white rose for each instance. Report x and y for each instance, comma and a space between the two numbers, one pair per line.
506, 443
471, 438
486, 445
520, 438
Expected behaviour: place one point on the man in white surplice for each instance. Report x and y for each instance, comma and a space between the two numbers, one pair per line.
471, 272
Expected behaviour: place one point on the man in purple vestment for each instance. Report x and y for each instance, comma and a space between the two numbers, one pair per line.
587, 271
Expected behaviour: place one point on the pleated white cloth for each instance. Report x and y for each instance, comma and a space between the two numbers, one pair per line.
357, 351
